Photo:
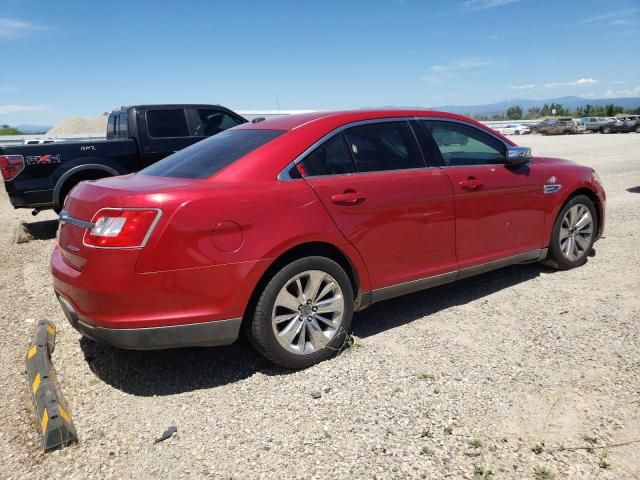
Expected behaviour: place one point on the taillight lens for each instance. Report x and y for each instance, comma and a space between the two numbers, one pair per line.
121, 228
11, 166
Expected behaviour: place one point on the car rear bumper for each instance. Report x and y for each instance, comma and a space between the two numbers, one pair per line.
204, 334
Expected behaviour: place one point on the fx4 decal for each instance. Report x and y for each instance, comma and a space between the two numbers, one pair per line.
43, 159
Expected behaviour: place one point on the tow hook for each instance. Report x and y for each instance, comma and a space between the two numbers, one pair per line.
35, 211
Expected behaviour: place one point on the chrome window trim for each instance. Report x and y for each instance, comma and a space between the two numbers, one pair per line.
284, 173
453, 120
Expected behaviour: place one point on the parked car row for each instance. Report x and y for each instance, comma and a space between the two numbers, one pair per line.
571, 126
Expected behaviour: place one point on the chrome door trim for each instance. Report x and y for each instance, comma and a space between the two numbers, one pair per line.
526, 257
399, 289
284, 173
412, 286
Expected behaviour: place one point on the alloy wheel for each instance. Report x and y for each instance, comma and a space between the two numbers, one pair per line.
576, 232
308, 312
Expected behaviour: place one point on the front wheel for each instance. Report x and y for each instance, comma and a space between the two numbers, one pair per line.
303, 314
606, 130
573, 234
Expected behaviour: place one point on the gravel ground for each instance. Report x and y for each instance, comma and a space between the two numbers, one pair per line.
454, 382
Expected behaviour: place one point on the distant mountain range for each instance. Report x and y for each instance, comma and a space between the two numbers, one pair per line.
567, 102
33, 129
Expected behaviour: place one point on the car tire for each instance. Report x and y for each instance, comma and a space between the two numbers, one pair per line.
517, 132
572, 242
567, 132
637, 130
606, 130
291, 335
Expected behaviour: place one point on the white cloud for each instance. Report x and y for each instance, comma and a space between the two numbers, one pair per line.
615, 23
484, 4
12, 29
577, 83
462, 64
431, 79
6, 109
523, 87
587, 95
617, 82
627, 92
609, 15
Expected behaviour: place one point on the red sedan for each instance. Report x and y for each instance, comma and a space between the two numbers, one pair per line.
286, 227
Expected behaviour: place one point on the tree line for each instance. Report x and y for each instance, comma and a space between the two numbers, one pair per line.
515, 112
9, 130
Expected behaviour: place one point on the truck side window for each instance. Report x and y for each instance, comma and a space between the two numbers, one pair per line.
211, 122
123, 128
167, 123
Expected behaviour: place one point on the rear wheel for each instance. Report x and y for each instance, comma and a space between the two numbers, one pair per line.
606, 130
517, 132
637, 129
573, 234
303, 314
567, 132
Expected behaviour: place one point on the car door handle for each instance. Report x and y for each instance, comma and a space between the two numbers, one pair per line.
470, 183
349, 197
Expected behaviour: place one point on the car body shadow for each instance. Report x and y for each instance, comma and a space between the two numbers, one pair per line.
634, 189
168, 372
42, 230
402, 310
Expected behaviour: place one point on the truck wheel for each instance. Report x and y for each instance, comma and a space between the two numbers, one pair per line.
303, 314
606, 130
573, 234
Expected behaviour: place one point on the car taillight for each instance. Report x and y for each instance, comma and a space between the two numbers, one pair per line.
11, 166
121, 228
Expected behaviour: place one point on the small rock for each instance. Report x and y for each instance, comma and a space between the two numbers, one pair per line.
316, 394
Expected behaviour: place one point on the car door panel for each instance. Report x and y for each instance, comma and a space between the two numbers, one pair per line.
499, 210
397, 213
403, 225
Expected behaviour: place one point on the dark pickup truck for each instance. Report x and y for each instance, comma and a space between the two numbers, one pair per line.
41, 176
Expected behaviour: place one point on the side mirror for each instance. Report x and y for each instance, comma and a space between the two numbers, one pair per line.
517, 156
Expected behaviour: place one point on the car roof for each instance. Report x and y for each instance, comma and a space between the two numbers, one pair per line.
338, 118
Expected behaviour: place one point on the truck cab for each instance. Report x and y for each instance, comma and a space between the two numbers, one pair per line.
41, 176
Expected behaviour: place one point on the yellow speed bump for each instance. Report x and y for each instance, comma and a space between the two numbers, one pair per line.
51, 409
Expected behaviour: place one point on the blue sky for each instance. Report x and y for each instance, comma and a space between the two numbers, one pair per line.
81, 58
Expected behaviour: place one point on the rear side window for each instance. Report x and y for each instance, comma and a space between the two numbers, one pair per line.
331, 158
211, 122
462, 144
123, 127
167, 123
384, 146
209, 156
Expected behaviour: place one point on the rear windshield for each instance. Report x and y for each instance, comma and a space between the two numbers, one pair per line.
209, 156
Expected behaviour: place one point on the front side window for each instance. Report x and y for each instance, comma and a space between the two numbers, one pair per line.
211, 122
209, 156
462, 144
167, 123
384, 146
330, 158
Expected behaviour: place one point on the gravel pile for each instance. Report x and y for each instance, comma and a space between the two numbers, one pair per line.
517, 374
80, 125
